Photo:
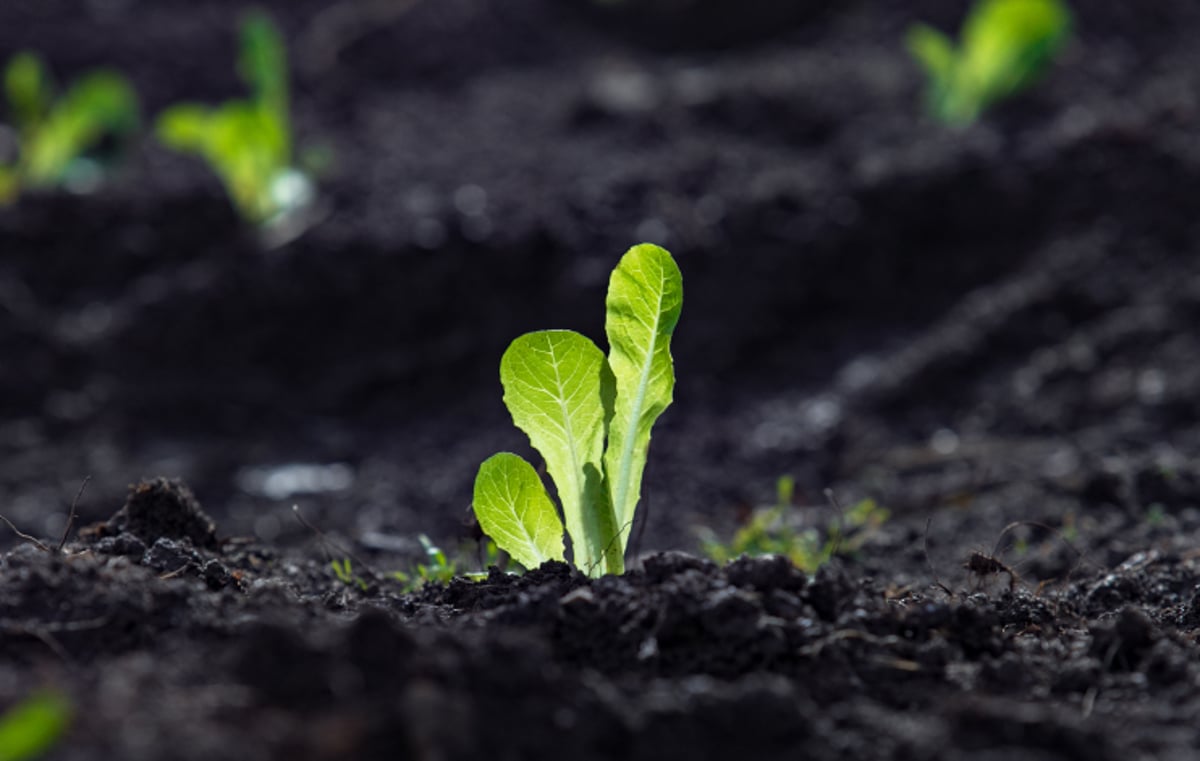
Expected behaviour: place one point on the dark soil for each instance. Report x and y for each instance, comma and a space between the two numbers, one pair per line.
976, 328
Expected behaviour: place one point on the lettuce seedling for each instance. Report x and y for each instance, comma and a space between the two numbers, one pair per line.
248, 143
1005, 46
33, 726
54, 132
590, 418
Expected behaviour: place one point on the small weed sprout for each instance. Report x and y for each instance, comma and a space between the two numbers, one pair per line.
54, 133
590, 417
770, 531
31, 728
248, 143
345, 574
439, 569
1004, 47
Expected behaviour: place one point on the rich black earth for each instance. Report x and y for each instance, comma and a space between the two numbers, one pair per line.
976, 328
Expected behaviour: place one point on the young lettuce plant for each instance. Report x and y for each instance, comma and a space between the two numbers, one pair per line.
1005, 46
590, 418
248, 143
54, 132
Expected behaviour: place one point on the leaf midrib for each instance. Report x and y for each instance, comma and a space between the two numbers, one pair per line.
626, 462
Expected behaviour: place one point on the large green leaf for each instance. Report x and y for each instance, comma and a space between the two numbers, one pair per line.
645, 297
513, 508
553, 383
33, 726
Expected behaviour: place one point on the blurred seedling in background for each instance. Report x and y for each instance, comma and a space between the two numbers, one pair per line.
776, 530
248, 142
31, 728
1004, 47
54, 139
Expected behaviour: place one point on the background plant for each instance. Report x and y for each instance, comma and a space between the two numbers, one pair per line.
590, 418
1004, 47
248, 142
54, 131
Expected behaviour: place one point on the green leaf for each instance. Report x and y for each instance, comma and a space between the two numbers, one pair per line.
263, 65
29, 90
33, 727
242, 143
1004, 47
10, 185
1007, 43
513, 509
934, 51
105, 99
101, 103
184, 127
645, 297
245, 147
553, 383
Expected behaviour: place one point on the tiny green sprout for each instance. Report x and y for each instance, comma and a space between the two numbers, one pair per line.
248, 142
439, 569
345, 574
1156, 515
1070, 527
589, 416
32, 727
1021, 546
54, 132
770, 532
1005, 46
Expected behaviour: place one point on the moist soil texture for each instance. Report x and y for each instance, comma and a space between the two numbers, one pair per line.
990, 331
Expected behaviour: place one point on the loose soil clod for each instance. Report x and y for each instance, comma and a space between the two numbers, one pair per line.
161, 509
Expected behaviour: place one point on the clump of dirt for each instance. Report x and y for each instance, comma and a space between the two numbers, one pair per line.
161, 509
